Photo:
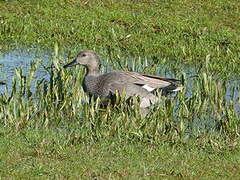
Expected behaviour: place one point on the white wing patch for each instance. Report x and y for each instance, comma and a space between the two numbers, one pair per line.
178, 88
148, 88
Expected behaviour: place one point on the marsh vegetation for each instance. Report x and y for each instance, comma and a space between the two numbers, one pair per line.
49, 130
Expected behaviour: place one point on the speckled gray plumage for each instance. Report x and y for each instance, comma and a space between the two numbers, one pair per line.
132, 83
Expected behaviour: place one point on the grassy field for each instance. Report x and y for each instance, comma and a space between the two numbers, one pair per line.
30, 154
49, 132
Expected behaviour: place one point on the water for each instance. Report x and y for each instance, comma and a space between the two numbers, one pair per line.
20, 59
23, 58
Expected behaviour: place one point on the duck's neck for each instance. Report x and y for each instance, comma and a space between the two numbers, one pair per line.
92, 71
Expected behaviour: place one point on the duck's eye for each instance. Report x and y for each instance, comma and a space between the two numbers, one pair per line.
83, 55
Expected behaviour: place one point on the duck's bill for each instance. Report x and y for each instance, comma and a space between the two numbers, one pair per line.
73, 63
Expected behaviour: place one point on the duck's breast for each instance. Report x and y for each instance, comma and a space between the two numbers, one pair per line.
94, 86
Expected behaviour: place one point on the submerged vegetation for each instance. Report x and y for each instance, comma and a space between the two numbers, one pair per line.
48, 129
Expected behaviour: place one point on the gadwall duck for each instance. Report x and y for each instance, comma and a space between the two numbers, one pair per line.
105, 86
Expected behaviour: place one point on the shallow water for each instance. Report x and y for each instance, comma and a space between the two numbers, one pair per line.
19, 59
23, 58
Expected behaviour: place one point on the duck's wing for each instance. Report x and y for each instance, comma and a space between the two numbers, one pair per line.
119, 80
150, 82
156, 82
130, 89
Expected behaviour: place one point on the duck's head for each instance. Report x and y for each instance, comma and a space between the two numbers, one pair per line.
87, 58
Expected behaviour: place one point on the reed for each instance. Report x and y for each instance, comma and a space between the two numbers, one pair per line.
49, 130
59, 101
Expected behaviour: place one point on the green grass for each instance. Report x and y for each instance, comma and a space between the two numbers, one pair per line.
49, 132
183, 30
42, 154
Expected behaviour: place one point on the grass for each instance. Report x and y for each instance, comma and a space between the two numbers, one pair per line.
185, 31
31, 154
50, 132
